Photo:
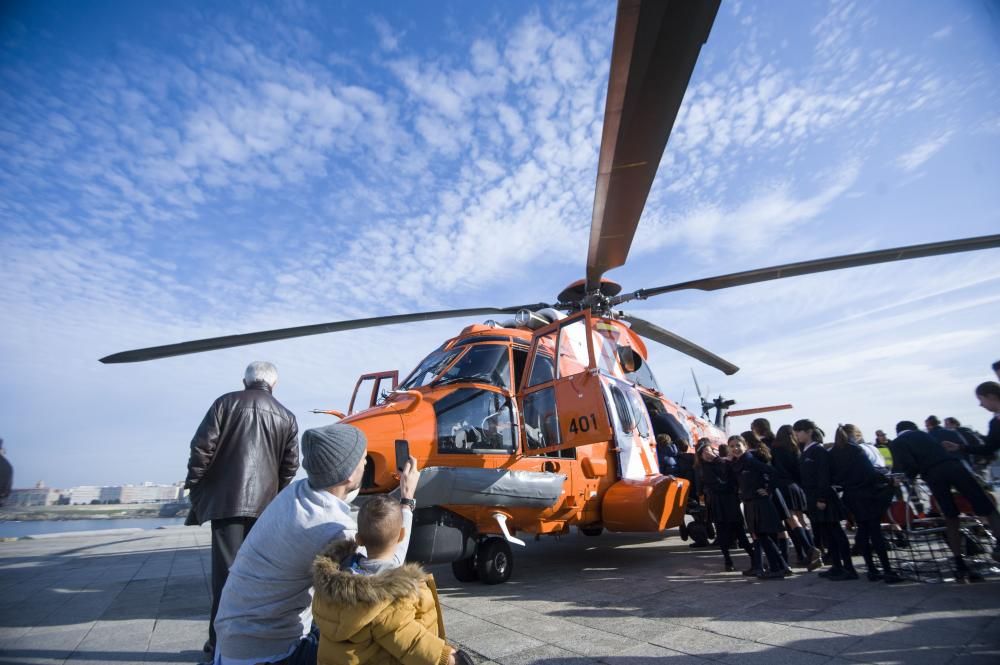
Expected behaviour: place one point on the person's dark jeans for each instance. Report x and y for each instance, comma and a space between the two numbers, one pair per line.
775, 562
836, 544
227, 536
305, 653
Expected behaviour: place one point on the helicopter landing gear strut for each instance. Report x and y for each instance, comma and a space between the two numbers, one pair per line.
464, 570
492, 563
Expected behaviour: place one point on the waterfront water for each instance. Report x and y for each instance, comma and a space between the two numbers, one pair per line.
18, 529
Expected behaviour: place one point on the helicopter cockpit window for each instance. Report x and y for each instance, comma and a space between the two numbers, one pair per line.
643, 376
520, 360
485, 363
429, 368
639, 413
541, 420
362, 395
626, 418
471, 420
606, 348
542, 368
573, 355
383, 389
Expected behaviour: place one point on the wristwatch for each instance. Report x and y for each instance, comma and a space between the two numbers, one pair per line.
410, 503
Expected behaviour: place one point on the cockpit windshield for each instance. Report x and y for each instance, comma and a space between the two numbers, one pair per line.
483, 363
429, 367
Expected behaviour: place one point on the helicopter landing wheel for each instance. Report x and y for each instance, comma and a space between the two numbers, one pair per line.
465, 570
494, 561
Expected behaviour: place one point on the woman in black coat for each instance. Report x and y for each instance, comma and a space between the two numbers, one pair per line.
719, 486
775, 477
785, 460
823, 504
867, 494
762, 518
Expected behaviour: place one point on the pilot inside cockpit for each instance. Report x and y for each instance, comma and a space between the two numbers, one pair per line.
465, 436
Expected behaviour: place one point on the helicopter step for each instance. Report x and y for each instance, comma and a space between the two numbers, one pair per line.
659, 499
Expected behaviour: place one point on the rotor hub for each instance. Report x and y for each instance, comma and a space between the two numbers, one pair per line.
576, 294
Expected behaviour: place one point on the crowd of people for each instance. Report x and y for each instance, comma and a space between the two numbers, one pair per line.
764, 489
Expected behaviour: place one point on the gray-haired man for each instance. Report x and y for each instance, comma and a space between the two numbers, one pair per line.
245, 451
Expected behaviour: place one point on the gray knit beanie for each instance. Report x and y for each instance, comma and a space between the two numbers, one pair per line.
330, 454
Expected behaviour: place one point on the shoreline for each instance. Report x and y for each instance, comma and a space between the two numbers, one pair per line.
95, 512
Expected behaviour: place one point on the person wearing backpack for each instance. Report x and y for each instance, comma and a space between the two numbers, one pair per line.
978, 457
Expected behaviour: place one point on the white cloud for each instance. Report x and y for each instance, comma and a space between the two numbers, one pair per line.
916, 157
943, 33
757, 223
387, 37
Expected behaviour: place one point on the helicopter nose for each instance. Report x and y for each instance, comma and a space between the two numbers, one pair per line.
409, 419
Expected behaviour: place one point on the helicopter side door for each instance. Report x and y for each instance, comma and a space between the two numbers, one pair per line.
561, 400
633, 430
372, 389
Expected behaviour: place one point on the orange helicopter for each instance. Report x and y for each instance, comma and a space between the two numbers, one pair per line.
545, 420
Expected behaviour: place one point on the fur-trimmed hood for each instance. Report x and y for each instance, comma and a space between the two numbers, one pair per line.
395, 609
347, 588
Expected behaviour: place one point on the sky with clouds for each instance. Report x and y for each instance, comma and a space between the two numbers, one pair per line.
175, 171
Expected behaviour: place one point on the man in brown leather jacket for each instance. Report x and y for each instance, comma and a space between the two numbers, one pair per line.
245, 451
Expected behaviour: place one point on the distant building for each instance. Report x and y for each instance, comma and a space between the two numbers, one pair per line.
84, 494
148, 493
144, 493
35, 496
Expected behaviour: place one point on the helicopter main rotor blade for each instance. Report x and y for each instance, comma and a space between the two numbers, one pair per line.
818, 265
667, 338
229, 341
655, 47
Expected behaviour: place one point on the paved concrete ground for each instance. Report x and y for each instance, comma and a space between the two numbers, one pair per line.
618, 599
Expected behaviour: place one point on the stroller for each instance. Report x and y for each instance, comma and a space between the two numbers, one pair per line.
700, 529
921, 552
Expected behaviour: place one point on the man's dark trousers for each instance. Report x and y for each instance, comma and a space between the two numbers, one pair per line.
227, 536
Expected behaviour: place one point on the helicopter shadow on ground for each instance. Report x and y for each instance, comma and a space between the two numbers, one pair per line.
630, 597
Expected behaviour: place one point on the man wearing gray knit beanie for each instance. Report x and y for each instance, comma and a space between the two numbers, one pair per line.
330, 455
265, 615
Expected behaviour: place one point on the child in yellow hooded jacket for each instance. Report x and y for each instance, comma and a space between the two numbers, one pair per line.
369, 612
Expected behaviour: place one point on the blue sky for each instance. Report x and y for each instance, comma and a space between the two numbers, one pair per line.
171, 171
